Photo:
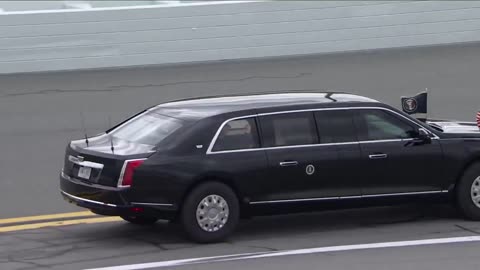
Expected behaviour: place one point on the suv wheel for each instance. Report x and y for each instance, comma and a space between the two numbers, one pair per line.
468, 192
210, 212
140, 220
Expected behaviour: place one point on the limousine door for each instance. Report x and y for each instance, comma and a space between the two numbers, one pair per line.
301, 172
301, 167
394, 160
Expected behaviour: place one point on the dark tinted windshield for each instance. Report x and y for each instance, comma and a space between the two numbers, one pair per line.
149, 128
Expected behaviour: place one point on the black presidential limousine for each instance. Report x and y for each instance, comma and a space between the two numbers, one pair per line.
207, 162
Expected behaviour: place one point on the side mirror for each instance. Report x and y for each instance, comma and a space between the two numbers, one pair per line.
424, 136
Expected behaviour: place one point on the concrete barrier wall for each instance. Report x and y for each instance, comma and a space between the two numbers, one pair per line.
185, 33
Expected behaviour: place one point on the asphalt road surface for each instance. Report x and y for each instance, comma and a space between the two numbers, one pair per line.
115, 244
40, 113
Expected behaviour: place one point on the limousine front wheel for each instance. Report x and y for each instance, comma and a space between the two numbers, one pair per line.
210, 212
468, 192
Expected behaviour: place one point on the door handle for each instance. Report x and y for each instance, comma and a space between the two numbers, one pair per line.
378, 156
288, 163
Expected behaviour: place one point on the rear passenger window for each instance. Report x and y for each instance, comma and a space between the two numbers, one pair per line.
237, 135
335, 126
288, 129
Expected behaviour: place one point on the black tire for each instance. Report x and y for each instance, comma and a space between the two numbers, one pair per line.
464, 193
140, 220
188, 215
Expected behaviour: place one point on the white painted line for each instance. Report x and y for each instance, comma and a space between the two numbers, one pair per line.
369, 246
249, 256
175, 262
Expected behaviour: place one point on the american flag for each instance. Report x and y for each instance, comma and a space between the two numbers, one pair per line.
478, 119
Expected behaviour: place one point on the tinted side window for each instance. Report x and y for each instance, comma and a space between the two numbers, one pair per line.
335, 126
237, 135
289, 129
381, 125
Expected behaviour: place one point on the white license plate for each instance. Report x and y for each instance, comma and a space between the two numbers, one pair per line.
84, 172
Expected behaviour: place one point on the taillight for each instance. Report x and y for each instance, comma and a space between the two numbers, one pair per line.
126, 175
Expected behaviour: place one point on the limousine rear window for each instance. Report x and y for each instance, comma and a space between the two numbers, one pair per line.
238, 135
149, 128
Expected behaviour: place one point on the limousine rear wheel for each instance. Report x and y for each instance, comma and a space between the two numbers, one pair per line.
210, 212
468, 192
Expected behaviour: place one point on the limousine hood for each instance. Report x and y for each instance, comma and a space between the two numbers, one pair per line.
458, 127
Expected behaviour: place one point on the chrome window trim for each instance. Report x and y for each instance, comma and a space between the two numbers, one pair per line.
308, 145
75, 198
282, 147
384, 141
219, 130
460, 138
351, 197
215, 137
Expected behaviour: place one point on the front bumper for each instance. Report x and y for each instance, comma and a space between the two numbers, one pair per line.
110, 201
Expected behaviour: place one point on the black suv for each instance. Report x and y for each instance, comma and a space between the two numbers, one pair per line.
207, 162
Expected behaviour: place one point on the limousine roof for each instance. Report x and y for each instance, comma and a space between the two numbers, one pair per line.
204, 107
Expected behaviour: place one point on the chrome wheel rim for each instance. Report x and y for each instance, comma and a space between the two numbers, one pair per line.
212, 213
476, 192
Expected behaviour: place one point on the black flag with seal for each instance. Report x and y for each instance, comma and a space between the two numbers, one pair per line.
416, 104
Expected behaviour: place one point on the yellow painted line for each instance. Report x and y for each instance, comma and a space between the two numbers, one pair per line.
46, 217
58, 223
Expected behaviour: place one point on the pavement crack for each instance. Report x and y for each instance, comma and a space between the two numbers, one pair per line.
153, 243
262, 247
254, 246
43, 253
100, 258
42, 241
467, 229
129, 87
34, 265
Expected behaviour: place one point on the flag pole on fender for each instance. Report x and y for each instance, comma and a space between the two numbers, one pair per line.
478, 119
417, 105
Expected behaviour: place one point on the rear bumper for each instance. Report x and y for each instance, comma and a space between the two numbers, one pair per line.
111, 201
96, 206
